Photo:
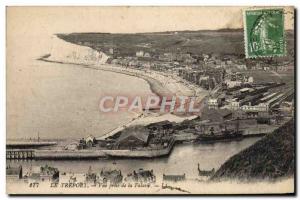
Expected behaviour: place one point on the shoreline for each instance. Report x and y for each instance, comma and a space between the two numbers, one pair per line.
157, 87
153, 84
153, 78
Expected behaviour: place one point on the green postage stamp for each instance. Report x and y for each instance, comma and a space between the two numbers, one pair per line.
264, 32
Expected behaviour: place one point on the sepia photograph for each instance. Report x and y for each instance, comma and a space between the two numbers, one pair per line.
150, 100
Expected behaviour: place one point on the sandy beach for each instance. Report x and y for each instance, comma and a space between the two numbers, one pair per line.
160, 83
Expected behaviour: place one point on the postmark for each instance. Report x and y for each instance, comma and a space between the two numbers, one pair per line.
264, 32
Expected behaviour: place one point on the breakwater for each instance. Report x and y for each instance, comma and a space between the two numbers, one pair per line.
89, 154
49, 154
28, 144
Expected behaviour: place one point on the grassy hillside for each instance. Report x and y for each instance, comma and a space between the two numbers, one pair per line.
226, 41
270, 158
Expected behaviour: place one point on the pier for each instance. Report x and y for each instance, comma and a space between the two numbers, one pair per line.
86, 154
20, 153
28, 144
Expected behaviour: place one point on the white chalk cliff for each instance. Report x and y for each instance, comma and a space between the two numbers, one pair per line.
66, 52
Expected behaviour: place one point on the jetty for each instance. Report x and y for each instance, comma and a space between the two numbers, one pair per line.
20, 153
29, 144
39, 154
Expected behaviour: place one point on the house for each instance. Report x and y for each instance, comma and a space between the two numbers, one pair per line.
213, 103
286, 107
132, 138
167, 57
232, 83
87, 142
147, 55
234, 104
90, 141
241, 67
112, 176
139, 54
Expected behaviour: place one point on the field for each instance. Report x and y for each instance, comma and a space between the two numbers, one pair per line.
270, 76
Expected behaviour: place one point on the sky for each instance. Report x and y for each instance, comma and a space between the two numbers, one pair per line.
49, 20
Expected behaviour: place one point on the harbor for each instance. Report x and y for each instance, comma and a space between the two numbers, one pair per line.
176, 163
92, 153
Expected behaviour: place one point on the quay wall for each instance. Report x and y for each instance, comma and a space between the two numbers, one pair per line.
20, 153
28, 144
94, 154
67, 154
185, 137
141, 153
259, 131
138, 153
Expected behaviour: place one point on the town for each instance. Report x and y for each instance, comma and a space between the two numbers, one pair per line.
239, 102
242, 99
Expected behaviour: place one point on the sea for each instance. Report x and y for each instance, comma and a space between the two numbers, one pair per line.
61, 101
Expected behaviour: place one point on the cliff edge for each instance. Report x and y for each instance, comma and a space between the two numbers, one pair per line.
270, 158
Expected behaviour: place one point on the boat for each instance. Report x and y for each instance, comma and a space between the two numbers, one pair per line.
223, 136
207, 173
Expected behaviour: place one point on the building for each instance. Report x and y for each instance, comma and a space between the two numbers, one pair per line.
216, 115
209, 128
168, 57
87, 142
237, 105
234, 104
287, 107
238, 79
147, 55
133, 138
146, 176
161, 126
14, 172
43, 173
90, 141
111, 176
241, 67
49, 173
139, 54
262, 107
213, 103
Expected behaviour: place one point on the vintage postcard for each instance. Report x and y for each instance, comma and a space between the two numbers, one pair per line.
150, 100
